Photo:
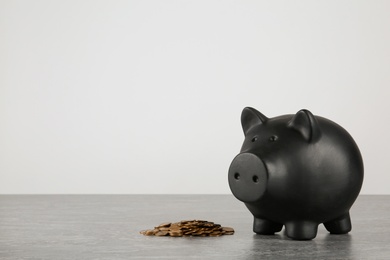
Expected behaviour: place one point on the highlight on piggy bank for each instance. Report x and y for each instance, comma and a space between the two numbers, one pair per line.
298, 171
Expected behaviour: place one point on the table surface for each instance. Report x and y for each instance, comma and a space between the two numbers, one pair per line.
107, 227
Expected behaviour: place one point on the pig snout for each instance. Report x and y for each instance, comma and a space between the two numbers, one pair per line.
247, 177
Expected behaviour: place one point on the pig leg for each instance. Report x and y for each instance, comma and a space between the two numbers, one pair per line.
301, 230
265, 227
340, 225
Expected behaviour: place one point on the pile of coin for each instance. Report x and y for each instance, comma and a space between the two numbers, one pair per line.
184, 228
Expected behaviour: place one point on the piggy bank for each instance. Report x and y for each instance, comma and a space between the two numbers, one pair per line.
296, 171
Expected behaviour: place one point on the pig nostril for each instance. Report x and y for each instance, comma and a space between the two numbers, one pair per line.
255, 179
273, 138
237, 176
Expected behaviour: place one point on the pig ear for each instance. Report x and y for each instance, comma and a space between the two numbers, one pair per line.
251, 117
305, 123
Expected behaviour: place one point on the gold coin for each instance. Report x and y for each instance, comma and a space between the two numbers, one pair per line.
149, 232
175, 233
161, 233
201, 228
163, 228
165, 224
186, 221
174, 227
228, 229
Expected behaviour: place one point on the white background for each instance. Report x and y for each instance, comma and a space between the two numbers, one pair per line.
146, 96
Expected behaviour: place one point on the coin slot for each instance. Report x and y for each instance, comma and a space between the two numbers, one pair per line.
255, 179
237, 176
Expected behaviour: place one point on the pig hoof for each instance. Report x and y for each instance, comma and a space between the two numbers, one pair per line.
265, 227
301, 230
340, 225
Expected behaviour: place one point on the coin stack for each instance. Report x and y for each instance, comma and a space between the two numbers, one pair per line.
184, 228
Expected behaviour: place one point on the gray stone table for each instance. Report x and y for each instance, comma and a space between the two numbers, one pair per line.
107, 227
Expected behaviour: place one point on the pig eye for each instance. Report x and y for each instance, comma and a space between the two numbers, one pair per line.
273, 138
254, 139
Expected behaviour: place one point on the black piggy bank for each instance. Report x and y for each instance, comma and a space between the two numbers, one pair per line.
298, 171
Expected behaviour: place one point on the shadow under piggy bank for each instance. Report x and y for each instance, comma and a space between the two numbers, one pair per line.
280, 247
